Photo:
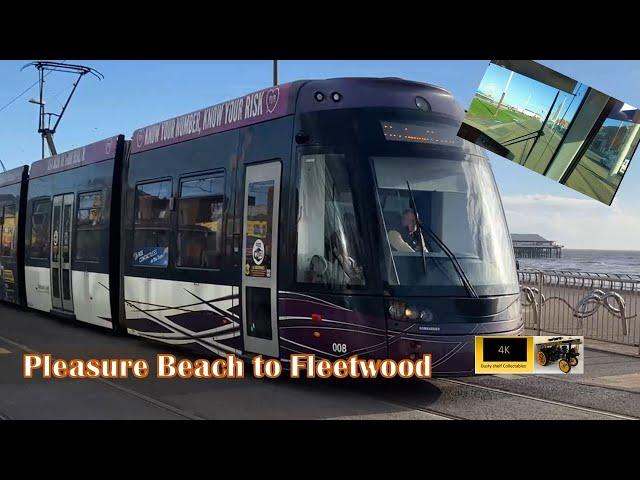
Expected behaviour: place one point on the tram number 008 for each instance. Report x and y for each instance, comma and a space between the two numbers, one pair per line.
339, 347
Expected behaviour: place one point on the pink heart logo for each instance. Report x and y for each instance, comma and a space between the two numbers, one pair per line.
273, 95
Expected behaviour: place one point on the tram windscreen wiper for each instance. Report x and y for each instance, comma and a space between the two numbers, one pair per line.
456, 265
419, 225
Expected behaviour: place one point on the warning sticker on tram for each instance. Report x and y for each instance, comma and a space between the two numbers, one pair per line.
152, 256
529, 354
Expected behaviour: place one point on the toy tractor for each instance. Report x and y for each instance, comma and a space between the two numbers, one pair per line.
561, 349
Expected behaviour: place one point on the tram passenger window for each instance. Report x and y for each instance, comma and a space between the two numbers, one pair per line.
152, 203
8, 228
200, 211
90, 227
152, 224
329, 248
40, 231
90, 209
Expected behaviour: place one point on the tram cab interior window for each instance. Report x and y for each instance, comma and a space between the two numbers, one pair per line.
152, 224
200, 210
8, 228
457, 206
90, 226
329, 248
40, 231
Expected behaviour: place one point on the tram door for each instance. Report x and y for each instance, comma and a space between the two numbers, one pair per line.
61, 226
260, 258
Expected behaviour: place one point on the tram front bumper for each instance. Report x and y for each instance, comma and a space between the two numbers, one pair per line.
451, 355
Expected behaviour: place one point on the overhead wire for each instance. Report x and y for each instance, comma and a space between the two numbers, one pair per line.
17, 97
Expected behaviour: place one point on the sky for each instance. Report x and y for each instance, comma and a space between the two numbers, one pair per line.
138, 93
523, 91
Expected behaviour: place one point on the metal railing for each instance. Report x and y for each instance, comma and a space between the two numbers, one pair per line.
599, 306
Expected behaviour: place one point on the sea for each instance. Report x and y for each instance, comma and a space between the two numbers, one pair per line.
594, 261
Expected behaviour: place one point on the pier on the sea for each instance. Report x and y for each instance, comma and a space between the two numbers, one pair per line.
532, 245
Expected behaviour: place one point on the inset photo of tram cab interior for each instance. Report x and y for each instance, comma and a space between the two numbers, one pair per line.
554, 125
327, 243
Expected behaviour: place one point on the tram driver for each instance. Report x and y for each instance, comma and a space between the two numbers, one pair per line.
408, 238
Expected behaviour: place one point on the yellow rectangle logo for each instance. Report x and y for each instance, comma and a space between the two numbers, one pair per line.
508, 354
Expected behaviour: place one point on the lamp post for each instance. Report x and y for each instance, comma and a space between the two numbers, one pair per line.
41, 104
48, 131
275, 73
504, 92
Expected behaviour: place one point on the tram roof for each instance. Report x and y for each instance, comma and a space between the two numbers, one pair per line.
357, 92
78, 157
289, 98
12, 176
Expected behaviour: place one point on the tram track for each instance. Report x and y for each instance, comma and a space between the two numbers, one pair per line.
430, 411
444, 413
594, 411
145, 398
591, 384
440, 404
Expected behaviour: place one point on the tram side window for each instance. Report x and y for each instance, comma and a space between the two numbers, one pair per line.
200, 211
89, 227
8, 228
330, 250
152, 224
40, 231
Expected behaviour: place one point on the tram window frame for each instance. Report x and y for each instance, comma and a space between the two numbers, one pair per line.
212, 174
46, 222
353, 177
167, 226
99, 227
1, 227
3, 216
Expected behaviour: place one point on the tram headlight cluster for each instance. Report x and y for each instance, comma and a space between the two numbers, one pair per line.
335, 96
411, 312
422, 104
403, 311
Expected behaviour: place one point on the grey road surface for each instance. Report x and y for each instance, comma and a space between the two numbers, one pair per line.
609, 389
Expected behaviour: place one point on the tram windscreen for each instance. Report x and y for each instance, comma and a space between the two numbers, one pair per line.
456, 199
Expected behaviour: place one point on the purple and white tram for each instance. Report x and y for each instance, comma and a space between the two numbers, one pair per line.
337, 217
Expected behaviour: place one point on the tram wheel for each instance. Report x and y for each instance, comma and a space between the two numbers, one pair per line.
565, 367
542, 358
573, 361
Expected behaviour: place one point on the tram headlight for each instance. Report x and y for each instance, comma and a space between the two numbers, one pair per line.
397, 309
422, 104
411, 313
426, 315
402, 311
336, 97
319, 96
